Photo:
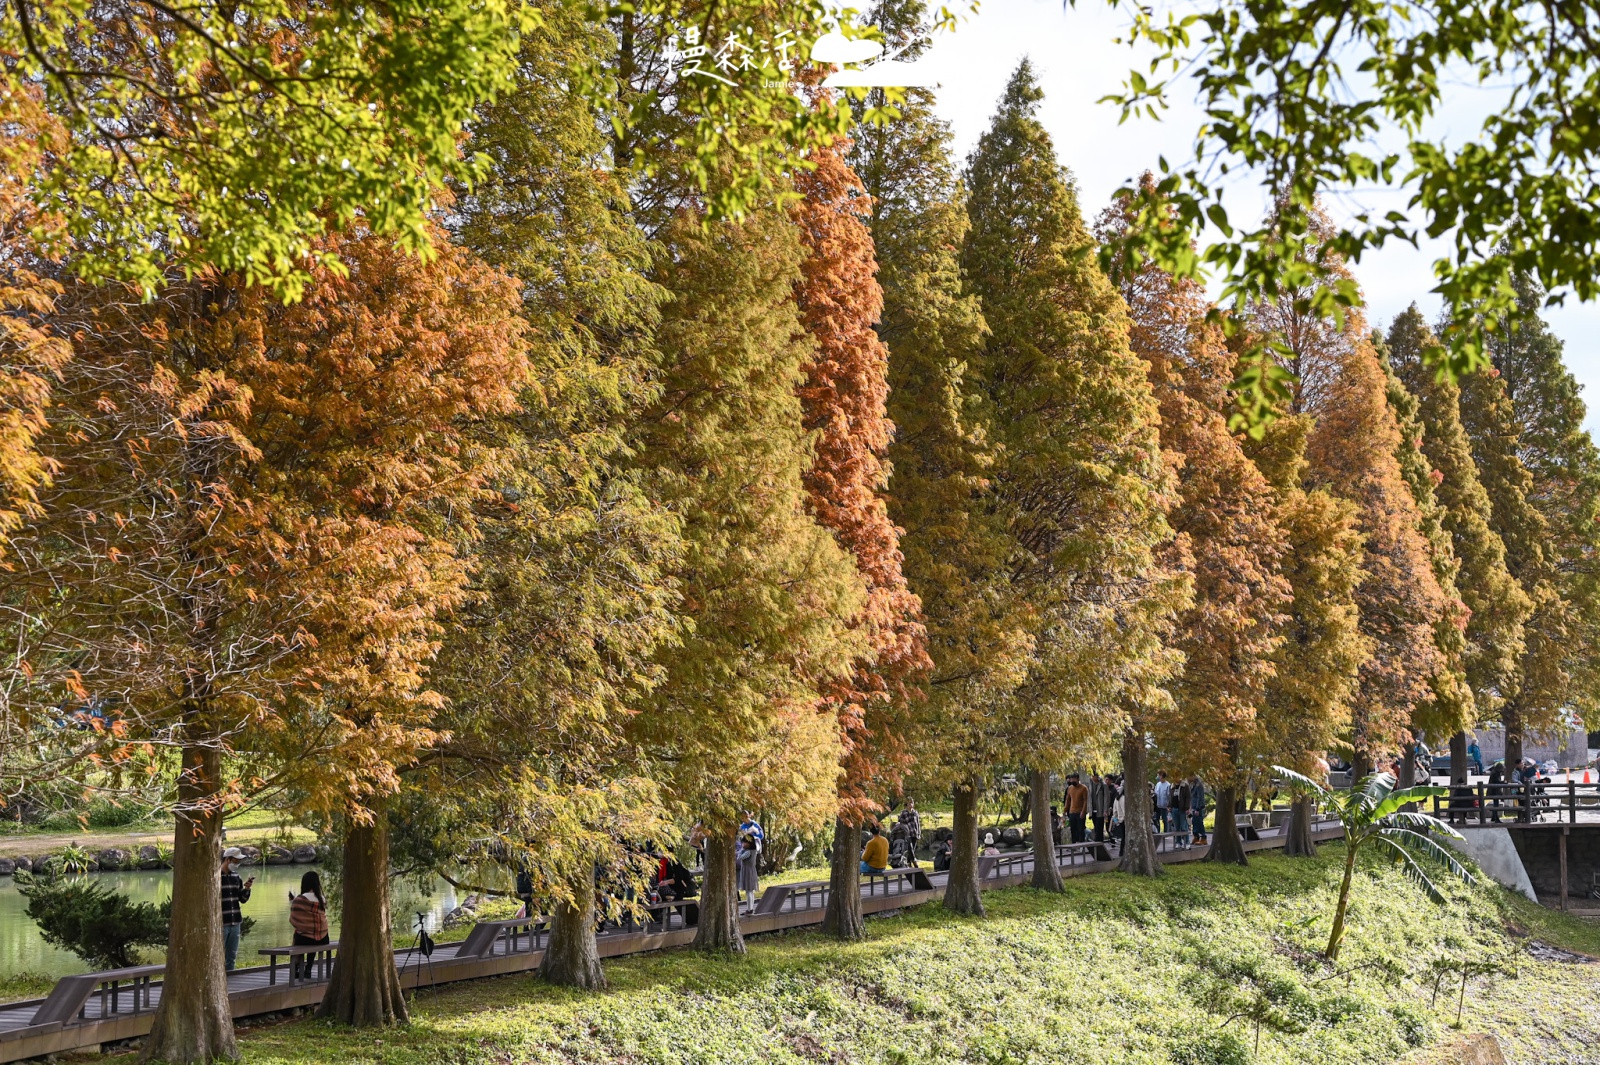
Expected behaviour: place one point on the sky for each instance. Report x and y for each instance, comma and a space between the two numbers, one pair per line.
1073, 52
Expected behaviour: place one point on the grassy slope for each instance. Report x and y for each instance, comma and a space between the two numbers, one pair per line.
1116, 970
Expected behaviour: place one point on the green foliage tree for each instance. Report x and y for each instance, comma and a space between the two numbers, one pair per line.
231, 137
1374, 811
1079, 481
740, 720
1498, 605
1540, 468
573, 591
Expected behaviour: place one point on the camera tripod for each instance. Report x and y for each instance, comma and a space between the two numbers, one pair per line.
421, 948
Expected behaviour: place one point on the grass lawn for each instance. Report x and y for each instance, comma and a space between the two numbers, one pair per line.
252, 827
1116, 970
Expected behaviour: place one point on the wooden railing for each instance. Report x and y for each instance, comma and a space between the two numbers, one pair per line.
1486, 804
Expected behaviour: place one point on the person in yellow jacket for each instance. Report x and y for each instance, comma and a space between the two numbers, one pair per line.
875, 855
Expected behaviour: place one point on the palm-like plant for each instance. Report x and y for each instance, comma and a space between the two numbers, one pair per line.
1375, 812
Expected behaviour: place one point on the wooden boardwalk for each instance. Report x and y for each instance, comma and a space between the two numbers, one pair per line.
87, 1011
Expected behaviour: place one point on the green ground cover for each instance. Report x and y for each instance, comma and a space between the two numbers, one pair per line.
1115, 970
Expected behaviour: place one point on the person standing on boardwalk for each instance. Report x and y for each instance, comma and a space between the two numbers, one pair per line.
1163, 807
235, 892
308, 916
1197, 811
1077, 806
1100, 794
1119, 816
751, 840
1180, 812
913, 822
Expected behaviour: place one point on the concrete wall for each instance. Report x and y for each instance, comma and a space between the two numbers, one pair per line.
1567, 747
1496, 854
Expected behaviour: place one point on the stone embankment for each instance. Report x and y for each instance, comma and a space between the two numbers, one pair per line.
74, 859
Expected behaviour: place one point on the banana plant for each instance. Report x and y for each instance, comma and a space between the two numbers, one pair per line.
1374, 812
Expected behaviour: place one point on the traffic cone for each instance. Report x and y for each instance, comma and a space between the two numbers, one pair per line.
1586, 776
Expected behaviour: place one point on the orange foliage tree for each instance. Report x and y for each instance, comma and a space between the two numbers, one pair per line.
1353, 451
33, 353
255, 511
1226, 514
844, 399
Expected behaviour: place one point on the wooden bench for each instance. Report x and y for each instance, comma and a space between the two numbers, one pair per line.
805, 895
906, 878
1070, 854
480, 942
318, 957
70, 997
661, 912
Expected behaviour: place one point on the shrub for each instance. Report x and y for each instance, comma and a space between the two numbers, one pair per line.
99, 925
107, 814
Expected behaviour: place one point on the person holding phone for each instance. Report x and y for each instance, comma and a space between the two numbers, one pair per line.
235, 892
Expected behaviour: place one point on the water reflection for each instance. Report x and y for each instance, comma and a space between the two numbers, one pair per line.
22, 950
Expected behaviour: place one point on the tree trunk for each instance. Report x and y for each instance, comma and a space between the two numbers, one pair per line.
1297, 841
364, 987
1226, 846
1511, 717
1407, 777
842, 919
962, 893
1459, 768
1138, 833
1460, 763
718, 931
1408, 767
572, 957
193, 1022
1360, 766
1046, 874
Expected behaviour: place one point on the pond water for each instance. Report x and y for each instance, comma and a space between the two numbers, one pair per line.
23, 951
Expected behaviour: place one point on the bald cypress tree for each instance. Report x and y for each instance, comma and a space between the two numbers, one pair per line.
1449, 706
1353, 450
1080, 480
844, 399
1498, 605
1318, 662
1227, 514
1542, 473
942, 454
573, 585
740, 719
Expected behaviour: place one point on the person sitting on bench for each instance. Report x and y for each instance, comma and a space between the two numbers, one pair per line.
875, 855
